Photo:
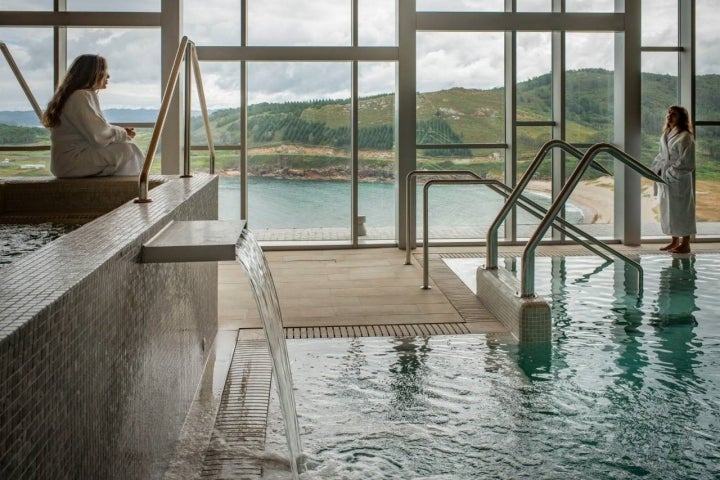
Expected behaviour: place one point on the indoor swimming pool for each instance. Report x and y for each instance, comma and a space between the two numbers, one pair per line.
628, 388
17, 240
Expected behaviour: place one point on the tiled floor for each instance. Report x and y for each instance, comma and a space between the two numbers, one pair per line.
371, 291
366, 291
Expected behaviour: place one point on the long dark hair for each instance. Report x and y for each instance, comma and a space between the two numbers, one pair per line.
683, 120
84, 73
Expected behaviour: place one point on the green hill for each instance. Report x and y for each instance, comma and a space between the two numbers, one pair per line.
321, 128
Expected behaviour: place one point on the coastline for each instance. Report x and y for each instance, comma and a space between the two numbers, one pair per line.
595, 199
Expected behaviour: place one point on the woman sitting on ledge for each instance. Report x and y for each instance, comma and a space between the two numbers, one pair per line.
83, 143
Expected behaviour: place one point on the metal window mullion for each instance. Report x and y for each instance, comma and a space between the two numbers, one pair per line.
354, 160
559, 172
243, 115
510, 127
405, 118
627, 119
687, 55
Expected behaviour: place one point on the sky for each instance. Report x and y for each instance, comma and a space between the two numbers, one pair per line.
444, 59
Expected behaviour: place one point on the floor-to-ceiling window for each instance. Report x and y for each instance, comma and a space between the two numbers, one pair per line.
307, 97
707, 117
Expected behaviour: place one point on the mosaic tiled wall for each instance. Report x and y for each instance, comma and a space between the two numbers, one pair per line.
100, 355
529, 319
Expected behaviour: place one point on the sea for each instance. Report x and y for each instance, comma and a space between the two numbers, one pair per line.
279, 203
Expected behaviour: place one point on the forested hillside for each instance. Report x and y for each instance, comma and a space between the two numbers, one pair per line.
457, 115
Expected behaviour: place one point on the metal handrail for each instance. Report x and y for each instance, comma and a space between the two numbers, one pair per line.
527, 269
491, 256
526, 204
21, 80
410, 195
186, 51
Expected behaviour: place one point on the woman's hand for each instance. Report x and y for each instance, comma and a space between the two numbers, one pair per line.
130, 131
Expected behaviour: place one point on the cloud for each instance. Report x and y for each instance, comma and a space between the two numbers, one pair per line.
444, 59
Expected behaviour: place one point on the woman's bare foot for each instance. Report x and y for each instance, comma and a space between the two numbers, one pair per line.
680, 249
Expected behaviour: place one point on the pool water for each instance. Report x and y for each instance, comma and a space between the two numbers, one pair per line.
17, 240
628, 388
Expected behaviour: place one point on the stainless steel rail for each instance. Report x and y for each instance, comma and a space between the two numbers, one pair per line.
591, 243
410, 196
21, 80
527, 269
491, 256
186, 51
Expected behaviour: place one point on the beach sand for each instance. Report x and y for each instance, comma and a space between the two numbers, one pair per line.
595, 199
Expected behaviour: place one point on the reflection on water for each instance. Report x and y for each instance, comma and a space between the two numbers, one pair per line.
676, 294
606, 401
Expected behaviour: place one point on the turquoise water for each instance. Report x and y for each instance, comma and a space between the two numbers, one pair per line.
628, 388
288, 203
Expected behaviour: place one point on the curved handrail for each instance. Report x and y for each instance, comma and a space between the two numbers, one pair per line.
491, 256
527, 269
160, 123
21, 80
410, 194
527, 205
186, 51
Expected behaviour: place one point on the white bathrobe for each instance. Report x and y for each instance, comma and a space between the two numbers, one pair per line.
675, 164
85, 144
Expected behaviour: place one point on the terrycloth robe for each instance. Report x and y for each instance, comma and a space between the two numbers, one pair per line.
85, 144
675, 164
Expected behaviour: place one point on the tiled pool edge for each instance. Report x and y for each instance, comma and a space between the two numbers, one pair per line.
100, 355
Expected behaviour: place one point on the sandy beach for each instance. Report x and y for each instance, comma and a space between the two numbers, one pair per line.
595, 199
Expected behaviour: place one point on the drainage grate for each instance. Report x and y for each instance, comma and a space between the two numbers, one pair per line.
403, 330
239, 435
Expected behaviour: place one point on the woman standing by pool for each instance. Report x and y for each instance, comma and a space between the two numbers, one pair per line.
675, 164
83, 143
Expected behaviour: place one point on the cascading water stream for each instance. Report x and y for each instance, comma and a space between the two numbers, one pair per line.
250, 255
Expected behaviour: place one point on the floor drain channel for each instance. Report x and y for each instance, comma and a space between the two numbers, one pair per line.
242, 416
402, 330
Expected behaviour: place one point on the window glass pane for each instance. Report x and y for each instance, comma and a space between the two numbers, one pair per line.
376, 22
589, 87
212, 22
460, 5
377, 156
459, 212
26, 5
589, 5
707, 149
707, 180
298, 149
659, 91
708, 62
534, 89
534, 5
659, 23
133, 67
293, 23
31, 49
124, 6
529, 142
460, 81
593, 199
24, 163
221, 84
230, 188
589, 105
